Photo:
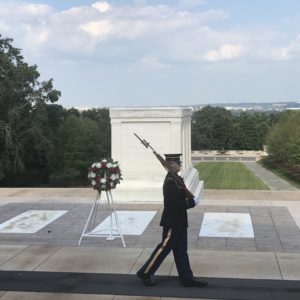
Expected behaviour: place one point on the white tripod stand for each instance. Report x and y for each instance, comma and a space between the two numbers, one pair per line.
114, 229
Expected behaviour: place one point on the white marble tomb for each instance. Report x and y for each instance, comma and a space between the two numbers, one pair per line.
234, 225
168, 130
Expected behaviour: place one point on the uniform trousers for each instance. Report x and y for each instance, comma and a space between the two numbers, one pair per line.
175, 240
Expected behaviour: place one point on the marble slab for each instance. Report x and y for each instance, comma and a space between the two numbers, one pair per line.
130, 222
234, 225
30, 221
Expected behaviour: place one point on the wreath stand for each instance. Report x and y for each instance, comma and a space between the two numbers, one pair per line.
89, 226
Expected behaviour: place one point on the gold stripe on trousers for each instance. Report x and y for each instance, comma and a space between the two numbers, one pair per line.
159, 251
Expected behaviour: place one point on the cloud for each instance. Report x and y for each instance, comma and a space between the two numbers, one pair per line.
98, 28
36, 36
23, 10
34, 9
4, 26
153, 62
175, 34
293, 50
290, 52
25, 22
225, 52
102, 6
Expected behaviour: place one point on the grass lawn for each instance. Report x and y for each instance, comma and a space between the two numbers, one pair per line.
228, 175
280, 173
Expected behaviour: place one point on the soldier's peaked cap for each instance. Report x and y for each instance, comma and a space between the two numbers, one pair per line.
173, 157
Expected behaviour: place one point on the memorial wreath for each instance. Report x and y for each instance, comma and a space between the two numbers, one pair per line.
104, 175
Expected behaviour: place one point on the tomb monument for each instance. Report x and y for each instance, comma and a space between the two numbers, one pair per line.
168, 130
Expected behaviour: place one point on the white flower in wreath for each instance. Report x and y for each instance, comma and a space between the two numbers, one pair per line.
109, 165
103, 186
112, 176
104, 160
92, 175
93, 182
111, 184
93, 165
117, 176
98, 165
103, 180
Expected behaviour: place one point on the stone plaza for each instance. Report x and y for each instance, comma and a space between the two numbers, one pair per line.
273, 253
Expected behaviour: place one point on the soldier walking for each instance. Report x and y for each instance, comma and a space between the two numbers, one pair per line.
174, 236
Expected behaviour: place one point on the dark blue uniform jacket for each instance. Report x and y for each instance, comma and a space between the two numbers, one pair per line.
175, 204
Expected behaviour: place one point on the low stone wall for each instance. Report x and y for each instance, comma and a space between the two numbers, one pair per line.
228, 155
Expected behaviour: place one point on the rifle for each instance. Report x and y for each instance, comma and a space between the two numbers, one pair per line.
177, 178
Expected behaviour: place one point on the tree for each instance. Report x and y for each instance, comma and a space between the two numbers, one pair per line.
79, 142
284, 139
101, 117
246, 137
24, 132
217, 128
212, 128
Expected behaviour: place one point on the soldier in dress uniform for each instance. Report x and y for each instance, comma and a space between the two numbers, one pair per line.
174, 236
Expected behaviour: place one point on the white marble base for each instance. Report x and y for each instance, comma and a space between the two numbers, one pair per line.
151, 191
236, 225
31, 221
130, 222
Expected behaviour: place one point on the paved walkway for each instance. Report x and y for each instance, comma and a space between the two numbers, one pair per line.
274, 228
270, 179
272, 254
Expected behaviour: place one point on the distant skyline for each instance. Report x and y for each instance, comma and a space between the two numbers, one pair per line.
152, 53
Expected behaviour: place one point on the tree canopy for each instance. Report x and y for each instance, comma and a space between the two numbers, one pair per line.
79, 142
215, 128
41, 142
24, 137
284, 139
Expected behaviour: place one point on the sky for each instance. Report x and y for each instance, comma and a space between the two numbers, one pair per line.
160, 53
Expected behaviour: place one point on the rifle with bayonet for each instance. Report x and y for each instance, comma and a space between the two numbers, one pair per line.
177, 178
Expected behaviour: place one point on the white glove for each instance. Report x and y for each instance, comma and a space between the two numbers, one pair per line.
196, 200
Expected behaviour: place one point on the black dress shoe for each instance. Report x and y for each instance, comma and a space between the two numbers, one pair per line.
194, 283
147, 279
